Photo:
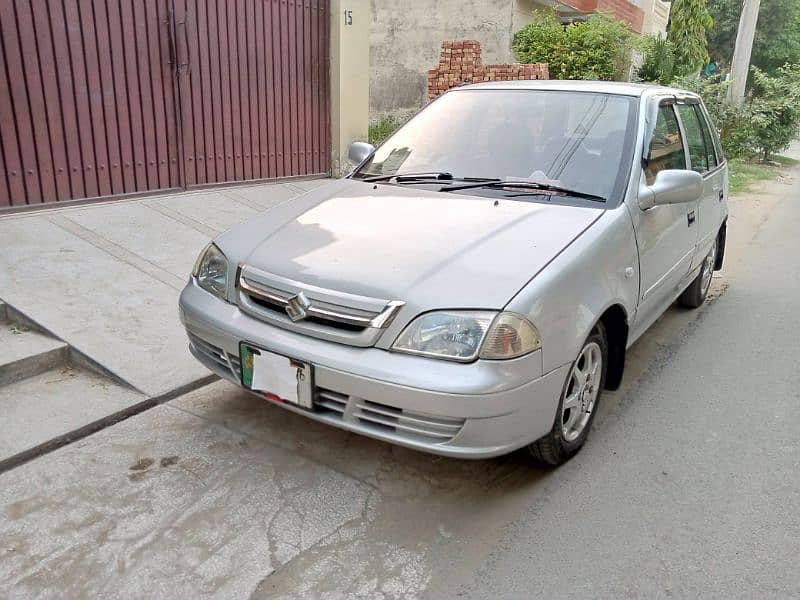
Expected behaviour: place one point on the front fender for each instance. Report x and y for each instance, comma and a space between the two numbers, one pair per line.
565, 300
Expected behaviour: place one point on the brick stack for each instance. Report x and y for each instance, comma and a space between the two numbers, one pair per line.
460, 62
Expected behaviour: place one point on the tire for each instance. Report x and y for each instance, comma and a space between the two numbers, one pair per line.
572, 423
694, 295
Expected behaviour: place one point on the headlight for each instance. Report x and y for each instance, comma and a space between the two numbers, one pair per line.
462, 335
453, 335
211, 271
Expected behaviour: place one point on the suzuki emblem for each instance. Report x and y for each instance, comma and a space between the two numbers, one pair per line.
297, 307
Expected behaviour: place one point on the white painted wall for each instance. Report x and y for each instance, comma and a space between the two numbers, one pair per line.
656, 16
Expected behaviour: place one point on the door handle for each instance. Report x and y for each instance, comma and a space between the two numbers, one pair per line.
721, 195
690, 217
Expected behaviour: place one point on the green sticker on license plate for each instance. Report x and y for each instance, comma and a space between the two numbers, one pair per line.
246, 356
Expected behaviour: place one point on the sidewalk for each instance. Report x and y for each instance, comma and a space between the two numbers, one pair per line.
106, 278
101, 282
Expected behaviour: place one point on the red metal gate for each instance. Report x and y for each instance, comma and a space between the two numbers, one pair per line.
107, 97
253, 82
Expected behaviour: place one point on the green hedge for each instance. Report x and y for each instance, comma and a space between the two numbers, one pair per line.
598, 48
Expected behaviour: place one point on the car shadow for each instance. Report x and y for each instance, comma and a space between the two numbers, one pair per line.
393, 470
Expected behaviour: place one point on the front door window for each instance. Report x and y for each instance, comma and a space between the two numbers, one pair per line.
666, 148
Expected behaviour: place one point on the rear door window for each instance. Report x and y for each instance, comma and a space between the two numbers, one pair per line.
698, 155
711, 153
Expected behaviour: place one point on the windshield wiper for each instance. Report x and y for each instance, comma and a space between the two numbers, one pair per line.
437, 175
432, 175
531, 185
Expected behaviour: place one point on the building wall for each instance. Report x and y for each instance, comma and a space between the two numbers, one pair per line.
406, 37
656, 16
523, 12
631, 12
350, 25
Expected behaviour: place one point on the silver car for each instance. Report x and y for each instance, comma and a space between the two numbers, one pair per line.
472, 286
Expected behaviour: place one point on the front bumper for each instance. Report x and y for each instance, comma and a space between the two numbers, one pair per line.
475, 410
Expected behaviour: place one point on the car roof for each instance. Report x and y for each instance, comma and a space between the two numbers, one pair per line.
603, 87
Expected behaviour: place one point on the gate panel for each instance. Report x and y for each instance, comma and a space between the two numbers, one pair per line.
155, 29
245, 87
20, 126
11, 185
254, 88
166, 61
35, 89
106, 73
123, 109
81, 95
94, 99
85, 100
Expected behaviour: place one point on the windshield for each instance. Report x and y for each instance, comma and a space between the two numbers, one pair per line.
574, 140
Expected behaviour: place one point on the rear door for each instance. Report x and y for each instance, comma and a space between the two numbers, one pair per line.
703, 158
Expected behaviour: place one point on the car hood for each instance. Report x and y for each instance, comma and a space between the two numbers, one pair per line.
426, 248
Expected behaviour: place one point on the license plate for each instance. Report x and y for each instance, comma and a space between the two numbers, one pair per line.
276, 376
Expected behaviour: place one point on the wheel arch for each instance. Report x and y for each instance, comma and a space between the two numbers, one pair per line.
615, 322
721, 235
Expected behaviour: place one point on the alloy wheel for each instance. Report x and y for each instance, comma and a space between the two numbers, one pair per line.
581, 392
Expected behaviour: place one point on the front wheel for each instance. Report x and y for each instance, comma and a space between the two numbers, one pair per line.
578, 403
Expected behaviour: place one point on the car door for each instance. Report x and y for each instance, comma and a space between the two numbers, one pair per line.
703, 159
666, 235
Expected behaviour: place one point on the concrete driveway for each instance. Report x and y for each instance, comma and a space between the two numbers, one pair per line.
688, 485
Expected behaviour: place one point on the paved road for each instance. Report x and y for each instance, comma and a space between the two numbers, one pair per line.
689, 485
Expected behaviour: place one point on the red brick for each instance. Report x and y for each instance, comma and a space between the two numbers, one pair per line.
460, 61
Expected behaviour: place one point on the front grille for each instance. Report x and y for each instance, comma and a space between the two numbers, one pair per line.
387, 419
280, 311
329, 401
406, 423
219, 359
327, 314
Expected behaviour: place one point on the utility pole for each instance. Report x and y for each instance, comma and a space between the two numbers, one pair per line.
740, 66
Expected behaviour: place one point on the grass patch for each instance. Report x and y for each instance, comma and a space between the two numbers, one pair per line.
743, 173
382, 128
785, 160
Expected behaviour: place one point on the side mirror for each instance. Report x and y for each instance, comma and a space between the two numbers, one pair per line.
671, 186
359, 151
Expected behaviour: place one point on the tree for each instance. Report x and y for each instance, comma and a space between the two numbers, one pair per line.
777, 38
689, 22
773, 113
658, 60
